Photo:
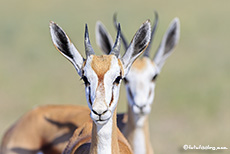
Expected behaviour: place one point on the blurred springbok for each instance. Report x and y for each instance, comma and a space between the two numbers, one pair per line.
140, 83
102, 76
45, 129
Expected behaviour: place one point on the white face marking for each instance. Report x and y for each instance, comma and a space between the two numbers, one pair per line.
140, 87
102, 93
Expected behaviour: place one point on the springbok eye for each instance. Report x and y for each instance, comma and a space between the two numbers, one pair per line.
154, 78
84, 78
125, 81
117, 80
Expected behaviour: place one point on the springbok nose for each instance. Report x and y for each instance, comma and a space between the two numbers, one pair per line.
140, 106
99, 113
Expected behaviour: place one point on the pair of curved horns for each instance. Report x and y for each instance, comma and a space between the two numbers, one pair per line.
146, 53
115, 50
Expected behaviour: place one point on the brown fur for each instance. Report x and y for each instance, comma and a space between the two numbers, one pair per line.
139, 64
121, 66
45, 128
101, 64
84, 140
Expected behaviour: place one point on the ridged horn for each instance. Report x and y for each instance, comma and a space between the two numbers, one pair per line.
88, 47
117, 45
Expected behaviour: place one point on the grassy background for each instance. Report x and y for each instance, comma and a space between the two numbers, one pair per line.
192, 95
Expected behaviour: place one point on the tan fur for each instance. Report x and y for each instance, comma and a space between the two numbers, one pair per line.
121, 66
84, 140
101, 64
34, 131
139, 64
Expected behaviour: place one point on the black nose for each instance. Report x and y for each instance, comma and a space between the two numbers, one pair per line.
140, 107
99, 114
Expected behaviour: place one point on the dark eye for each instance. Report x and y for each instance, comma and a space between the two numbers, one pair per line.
84, 78
125, 81
155, 77
117, 80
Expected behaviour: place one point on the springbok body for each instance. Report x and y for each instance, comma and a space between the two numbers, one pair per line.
46, 129
140, 85
102, 76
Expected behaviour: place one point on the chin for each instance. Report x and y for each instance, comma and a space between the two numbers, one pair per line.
100, 122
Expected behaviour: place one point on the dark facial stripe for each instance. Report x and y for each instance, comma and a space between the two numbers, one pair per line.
90, 101
111, 99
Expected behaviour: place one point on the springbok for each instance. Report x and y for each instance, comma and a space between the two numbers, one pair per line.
140, 83
102, 76
45, 129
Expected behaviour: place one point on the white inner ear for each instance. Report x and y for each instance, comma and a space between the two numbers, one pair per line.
139, 42
77, 59
160, 56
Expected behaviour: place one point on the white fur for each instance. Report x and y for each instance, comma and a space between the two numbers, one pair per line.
139, 146
110, 88
93, 79
104, 133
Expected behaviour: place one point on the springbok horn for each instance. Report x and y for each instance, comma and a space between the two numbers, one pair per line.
117, 44
146, 52
88, 48
122, 36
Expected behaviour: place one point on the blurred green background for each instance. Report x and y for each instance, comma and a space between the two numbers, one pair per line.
192, 102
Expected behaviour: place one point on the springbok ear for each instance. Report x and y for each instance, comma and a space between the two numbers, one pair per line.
168, 43
103, 38
138, 44
63, 44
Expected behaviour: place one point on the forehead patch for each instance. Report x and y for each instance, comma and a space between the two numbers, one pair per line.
101, 64
140, 63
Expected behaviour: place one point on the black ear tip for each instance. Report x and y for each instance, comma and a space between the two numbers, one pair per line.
86, 27
86, 31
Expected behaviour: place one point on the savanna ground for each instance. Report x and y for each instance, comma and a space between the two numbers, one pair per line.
192, 99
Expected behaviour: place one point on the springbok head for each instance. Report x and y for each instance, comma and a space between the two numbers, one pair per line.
141, 79
102, 75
